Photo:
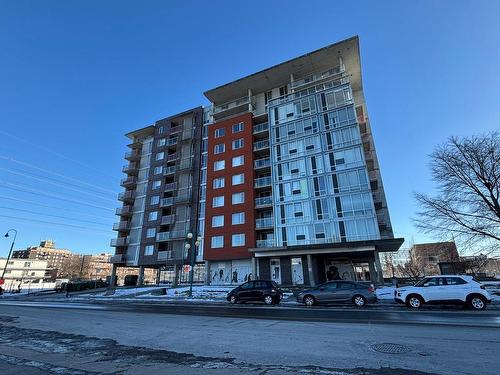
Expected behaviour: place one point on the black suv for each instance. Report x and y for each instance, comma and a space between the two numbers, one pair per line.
258, 290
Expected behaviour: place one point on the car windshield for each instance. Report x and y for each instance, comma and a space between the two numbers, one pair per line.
422, 282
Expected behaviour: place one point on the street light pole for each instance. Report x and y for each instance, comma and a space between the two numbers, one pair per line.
10, 251
191, 271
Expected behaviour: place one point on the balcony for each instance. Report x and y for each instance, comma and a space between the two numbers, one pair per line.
169, 170
167, 219
165, 202
118, 258
261, 128
262, 163
171, 141
131, 168
183, 197
185, 164
262, 182
231, 108
126, 196
171, 186
133, 155
261, 145
265, 243
172, 157
264, 223
315, 78
128, 182
263, 202
124, 211
188, 134
166, 236
121, 226
120, 241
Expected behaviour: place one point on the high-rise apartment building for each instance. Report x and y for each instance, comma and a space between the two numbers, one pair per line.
289, 186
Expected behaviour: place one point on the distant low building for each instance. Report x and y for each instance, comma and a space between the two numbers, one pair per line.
427, 256
479, 265
20, 273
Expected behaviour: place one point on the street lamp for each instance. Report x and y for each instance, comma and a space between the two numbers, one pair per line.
10, 251
189, 237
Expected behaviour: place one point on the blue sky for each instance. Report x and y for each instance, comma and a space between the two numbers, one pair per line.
76, 75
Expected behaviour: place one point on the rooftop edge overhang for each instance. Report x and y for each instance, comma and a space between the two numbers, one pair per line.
139, 133
302, 66
382, 245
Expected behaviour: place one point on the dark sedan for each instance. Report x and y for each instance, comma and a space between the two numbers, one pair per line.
257, 290
338, 291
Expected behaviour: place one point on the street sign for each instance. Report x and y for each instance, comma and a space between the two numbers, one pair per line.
2, 281
187, 268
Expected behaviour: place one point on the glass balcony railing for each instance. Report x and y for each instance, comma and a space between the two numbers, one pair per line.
122, 225
261, 145
262, 181
125, 210
128, 181
173, 156
262, 223
167, 219
120, 241
126, 195
165, 202
132, 155
171, 186
262, 163
231, 105
171, 141
130, 167
169, 170
265, 243
118, 258
263, 201
261, 128
318, 77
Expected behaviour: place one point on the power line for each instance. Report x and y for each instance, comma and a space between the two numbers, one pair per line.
55, 183
17, 187
22, 219
56, 174
48, 206
56, 216
55, 153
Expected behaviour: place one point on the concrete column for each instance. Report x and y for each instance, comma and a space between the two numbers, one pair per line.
176, 276
157, 276
207, 273
257, 268
380, 275
140, 279
373, 271
310, 270
112, 281
250, 109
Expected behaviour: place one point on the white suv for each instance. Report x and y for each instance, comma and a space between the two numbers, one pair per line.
444, 289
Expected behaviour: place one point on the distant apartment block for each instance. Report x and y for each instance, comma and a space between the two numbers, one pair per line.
428, 256
20, 273
278, 175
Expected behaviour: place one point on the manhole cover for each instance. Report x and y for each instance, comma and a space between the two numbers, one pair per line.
391, 348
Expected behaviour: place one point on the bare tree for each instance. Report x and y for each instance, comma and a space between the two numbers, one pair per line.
412, 267
467, 203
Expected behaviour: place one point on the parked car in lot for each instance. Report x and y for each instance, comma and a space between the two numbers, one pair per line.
338, 291
258, 290
444, 289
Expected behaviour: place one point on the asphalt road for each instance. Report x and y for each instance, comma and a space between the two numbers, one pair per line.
80, 339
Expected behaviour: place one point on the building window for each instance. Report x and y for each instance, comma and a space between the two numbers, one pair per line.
218, 201
220, 148
160, 130
151, 232
160, 156
236, 128
161, 142
155, 199
238, 143
217, 221
217, 242
218, 183
238, 239
153, 215
238, 218
158, 170
156, 184
238, 160
219, 165
238, 179
238, 198
149, 249
219, 132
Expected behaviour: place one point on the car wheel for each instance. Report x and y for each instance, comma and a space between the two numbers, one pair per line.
477, 302
309, 300
268, 300
414, 301
233, 300
359, 301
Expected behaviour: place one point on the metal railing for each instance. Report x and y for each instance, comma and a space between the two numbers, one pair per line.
318, 77
122, 225
129, 167
132, 154
128, 181
167, 219
171, 186
120, 241
265, 243
123, 210
164, 202
173, 156
169, 170
266, 222
126, 195
118, 258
